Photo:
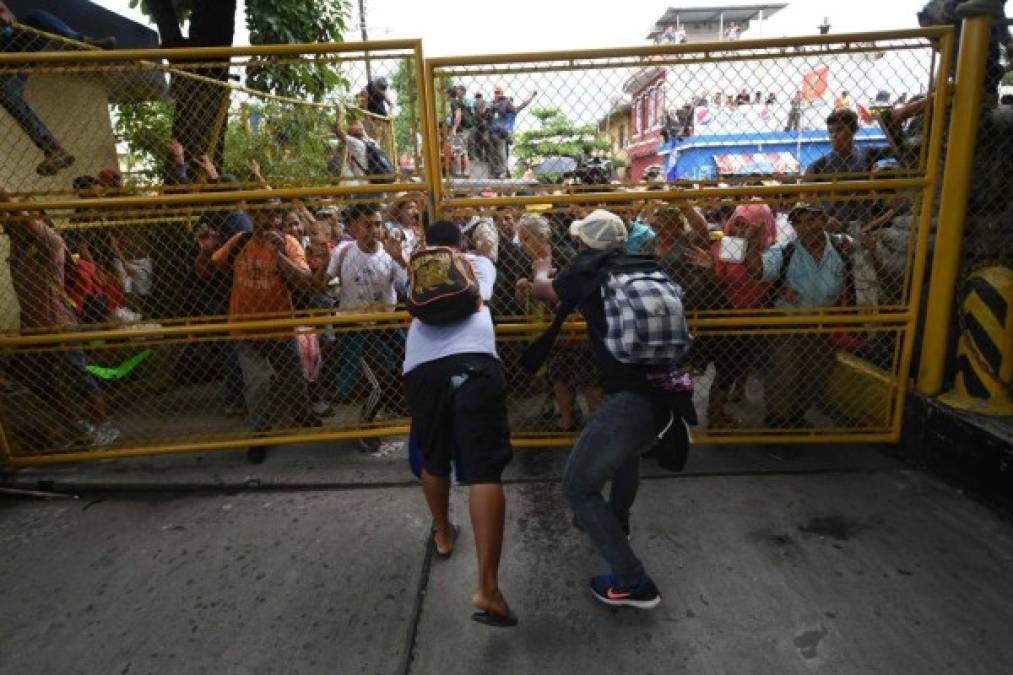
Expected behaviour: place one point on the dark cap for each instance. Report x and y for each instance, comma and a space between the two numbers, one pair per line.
804, 207
270, 205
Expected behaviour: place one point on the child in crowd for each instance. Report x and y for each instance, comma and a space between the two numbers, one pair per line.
370, 271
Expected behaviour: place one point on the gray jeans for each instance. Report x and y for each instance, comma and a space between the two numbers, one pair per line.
609, 449
498, 157
275, 389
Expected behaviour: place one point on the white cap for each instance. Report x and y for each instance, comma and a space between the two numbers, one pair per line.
600, 230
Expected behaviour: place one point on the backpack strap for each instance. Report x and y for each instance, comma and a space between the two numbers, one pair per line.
538, 351
787, 253
357, 163
61, 287
342, 254
541, 348
841, 243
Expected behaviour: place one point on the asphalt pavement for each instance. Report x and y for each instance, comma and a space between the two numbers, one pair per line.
834, 559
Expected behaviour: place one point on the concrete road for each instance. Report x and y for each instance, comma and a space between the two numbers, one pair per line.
795, 567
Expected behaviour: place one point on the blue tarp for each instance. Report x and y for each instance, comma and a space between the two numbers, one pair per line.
692, 158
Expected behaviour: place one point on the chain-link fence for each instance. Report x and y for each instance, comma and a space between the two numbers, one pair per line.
725, 113
802, 322
93, 123
148, 310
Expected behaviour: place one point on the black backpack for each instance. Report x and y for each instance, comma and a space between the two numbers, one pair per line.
442, 287
378, 164
467, 116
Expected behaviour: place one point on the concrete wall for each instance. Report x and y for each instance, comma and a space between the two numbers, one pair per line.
76, 110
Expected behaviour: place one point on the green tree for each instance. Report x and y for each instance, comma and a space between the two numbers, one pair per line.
557, 136
199, 108
145, 129
290, 142
273, 22
406, 121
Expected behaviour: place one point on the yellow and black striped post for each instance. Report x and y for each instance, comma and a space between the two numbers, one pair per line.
985, 349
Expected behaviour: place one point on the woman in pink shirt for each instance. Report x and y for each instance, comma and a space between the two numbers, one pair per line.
742, 292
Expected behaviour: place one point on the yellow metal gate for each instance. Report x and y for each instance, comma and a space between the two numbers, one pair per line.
177, 150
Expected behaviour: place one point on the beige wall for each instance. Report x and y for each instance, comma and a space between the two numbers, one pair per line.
76, 110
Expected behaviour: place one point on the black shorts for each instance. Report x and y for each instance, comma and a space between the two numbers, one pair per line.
461, 399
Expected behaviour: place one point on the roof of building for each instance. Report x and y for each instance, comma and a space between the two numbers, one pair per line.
702, 15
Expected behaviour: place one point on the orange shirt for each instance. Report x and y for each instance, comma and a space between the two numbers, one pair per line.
258, 286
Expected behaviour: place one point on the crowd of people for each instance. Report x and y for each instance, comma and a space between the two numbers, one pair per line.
676, 35
271, 259
479, 129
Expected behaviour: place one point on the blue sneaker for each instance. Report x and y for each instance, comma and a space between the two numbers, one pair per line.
644, 595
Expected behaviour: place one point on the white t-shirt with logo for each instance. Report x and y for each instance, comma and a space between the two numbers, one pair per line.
367, 279
473, 335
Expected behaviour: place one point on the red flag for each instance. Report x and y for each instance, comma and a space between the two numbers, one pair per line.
815, 83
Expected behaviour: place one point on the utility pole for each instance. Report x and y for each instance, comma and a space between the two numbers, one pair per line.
365, 37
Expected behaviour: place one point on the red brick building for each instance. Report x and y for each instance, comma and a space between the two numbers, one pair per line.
651, 90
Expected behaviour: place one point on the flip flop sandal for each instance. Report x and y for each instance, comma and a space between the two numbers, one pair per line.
454, 531
495, 620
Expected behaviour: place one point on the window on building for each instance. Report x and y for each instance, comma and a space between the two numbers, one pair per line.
622, 136
635, 117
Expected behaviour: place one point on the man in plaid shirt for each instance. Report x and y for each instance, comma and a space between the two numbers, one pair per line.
640, 401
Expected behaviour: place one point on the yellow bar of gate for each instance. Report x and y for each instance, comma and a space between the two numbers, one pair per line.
554, 441
220, 196
207, 446
209, 52
434, 168
935, 151
974, 44
5, 448
279, 324
651, 50
704, 193
430, 139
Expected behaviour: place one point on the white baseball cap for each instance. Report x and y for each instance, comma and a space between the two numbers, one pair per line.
600, 230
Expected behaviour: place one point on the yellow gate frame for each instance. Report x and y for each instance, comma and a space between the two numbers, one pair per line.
902, 319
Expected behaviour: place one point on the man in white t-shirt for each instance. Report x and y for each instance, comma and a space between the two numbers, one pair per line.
370, 270
456, 393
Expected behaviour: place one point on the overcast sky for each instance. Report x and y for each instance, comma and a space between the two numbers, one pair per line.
449, 27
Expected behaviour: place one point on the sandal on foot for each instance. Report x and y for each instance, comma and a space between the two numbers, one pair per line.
497, 620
